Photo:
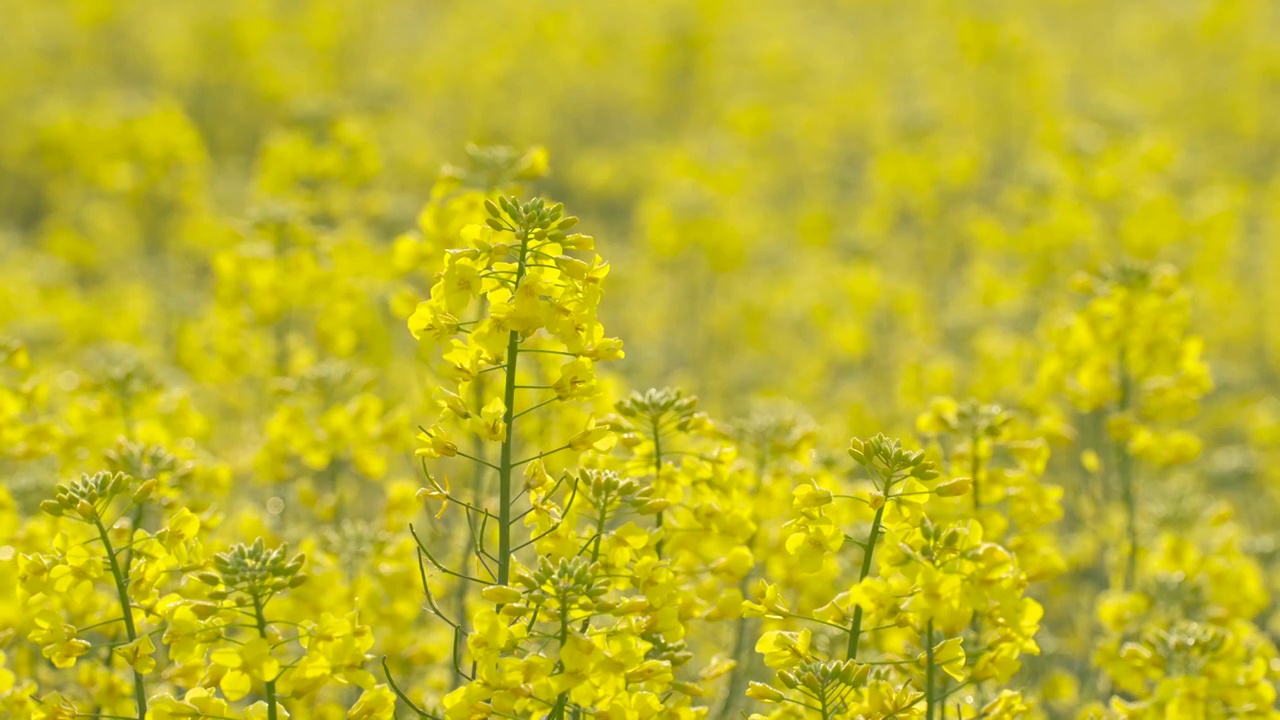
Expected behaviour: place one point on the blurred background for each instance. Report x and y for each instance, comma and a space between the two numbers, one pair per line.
224, 212
853, 205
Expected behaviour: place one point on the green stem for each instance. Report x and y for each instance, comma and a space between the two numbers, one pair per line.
944, 694
975, 467
657, 476
126, 609
135, 521
855, 629
741, 654
928, 673
601, 521
478, 496
557, 712
262, 633
1131, 517
505, 465
745, 628
1124, 466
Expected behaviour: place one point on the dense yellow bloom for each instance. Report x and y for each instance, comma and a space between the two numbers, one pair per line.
1035, 241
138, 654
244, 664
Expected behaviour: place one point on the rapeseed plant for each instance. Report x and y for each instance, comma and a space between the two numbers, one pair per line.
234, 487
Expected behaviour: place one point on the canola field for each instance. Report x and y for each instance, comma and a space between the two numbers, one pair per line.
858, 359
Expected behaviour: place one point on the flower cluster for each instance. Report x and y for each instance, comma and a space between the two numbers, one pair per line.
236, 486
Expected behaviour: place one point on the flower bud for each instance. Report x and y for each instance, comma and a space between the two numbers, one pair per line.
501, 594
764, 693
144, 491
955, 487
654, 506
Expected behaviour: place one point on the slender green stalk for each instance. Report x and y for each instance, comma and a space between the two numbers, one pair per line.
928, 673
262, 633
126, 609
557, 712
657, 475
855, 629
744, 629
975, 467
1124, 463
478, 494
135, 522
601, 520
1128, 489
505, 464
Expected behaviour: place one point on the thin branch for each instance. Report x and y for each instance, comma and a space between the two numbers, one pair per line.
435, 562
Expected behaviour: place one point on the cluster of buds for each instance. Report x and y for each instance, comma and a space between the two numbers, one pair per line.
571, 582
142, 461
354, 540
127, 377
942, 543
606, 489
827, 682
1162, 279
675, 652
644, 414
1187, 646
819, 678
491, 166
774, 432
534, 219
886, 458
88, 496
328, 378
255, 571
967, 418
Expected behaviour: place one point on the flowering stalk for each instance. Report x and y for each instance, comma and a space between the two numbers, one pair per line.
1124, 466
120, 578
975, 467
479, 491
505, 465
885, 458
928, 672
270, 685
738, 676
657, 476
855, 629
